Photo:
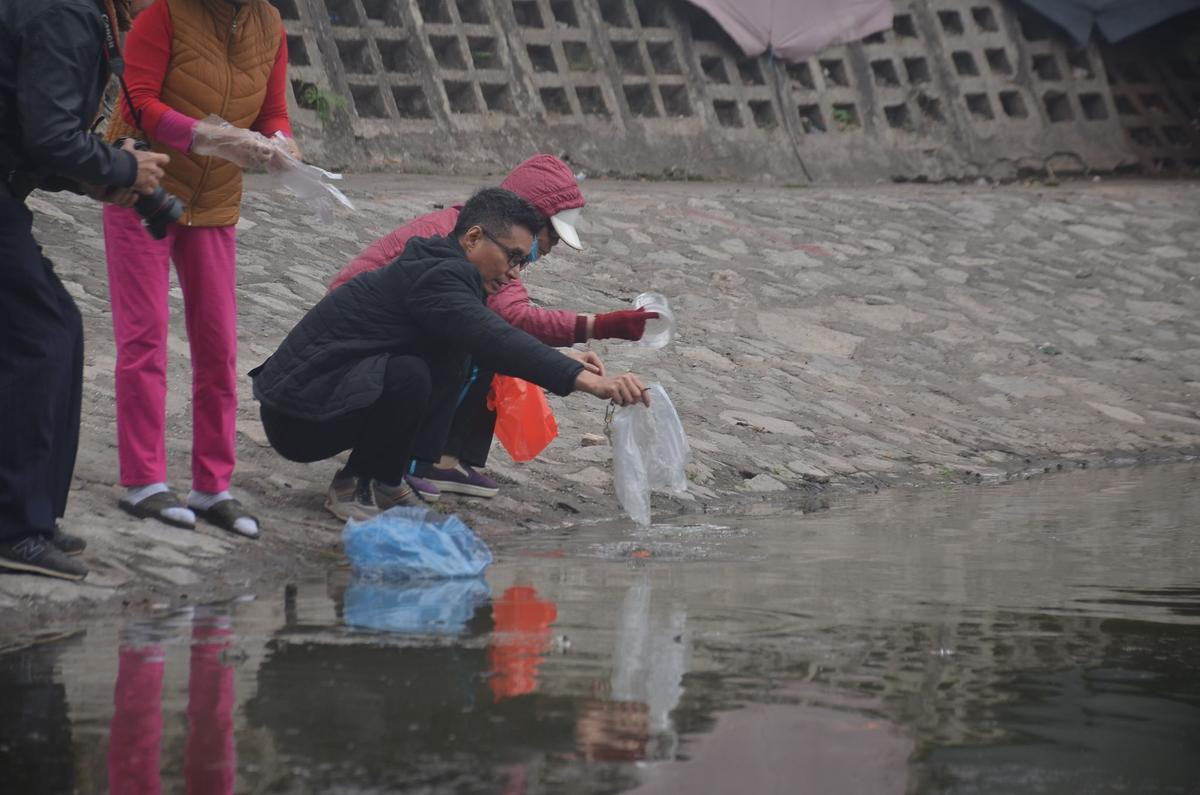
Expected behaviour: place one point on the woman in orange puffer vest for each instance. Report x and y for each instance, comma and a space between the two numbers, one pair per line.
185, 60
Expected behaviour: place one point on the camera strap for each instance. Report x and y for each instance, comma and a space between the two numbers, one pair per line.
116, 62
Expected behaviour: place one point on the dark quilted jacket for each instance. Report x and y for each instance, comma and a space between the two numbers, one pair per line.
429, 303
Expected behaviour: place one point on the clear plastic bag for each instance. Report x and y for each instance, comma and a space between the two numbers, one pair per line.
431, 607
650, 453
659, 330
414, 544
216, 137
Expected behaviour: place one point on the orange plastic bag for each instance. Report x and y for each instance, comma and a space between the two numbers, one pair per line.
524, 422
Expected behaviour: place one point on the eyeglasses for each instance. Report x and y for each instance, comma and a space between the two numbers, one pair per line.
516, 257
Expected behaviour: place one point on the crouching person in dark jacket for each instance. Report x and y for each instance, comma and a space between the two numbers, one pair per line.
383, 357
53, 68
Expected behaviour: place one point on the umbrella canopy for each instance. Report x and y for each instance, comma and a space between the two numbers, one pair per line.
795, 29
1117, 19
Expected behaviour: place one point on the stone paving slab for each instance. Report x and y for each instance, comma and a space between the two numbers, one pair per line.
827, 339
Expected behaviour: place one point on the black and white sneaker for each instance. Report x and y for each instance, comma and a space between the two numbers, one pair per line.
36, 554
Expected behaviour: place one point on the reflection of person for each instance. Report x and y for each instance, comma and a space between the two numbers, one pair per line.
407, 710
548, 184
135, 735
136, 730
52, 74
36, 749
633, 720
612, 731
186, 59
209, 759
380, 358
519, 641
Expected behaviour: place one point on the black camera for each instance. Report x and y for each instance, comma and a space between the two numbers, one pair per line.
158, 209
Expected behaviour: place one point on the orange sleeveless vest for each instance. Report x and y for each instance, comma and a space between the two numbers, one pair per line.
222, 54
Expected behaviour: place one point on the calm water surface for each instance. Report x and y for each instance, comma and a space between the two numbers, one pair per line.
1035, 637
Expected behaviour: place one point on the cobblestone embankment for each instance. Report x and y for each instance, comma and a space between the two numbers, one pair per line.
828, 339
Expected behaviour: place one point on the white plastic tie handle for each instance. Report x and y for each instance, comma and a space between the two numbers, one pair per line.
659, 330
216, 137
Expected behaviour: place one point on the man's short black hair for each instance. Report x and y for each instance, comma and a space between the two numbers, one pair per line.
497, 210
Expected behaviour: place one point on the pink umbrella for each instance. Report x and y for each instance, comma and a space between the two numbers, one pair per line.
795, 29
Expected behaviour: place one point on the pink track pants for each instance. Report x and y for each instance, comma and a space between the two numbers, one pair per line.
138, 279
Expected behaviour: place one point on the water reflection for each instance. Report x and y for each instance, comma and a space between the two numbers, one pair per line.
629, 719
35, 729
400, 693
1032, 638
400, 706
520, 640
135, 736
442, 607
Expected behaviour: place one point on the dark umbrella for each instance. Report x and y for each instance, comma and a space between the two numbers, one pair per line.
1117, 19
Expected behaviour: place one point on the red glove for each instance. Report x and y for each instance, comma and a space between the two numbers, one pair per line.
628, 324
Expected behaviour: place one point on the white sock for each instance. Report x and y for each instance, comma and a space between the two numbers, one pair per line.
207, 499
136, 494
203, 500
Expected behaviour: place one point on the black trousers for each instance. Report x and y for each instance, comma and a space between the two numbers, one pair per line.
415, 407
41, 380
470, 435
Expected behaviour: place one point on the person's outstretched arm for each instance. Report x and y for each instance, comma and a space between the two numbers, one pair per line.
560, 327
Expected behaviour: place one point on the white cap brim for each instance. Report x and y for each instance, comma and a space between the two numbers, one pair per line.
564, 224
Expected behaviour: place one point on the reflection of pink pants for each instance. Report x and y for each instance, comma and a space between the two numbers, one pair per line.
210, 760
139, 278
133, 738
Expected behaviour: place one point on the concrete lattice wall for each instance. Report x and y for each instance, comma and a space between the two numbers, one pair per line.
954, 89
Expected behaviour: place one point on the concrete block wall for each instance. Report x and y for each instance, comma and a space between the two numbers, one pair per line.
955, 89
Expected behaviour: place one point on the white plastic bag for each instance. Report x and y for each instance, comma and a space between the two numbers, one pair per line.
650, 453
216, 137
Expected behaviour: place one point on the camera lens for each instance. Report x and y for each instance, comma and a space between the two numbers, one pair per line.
158, 211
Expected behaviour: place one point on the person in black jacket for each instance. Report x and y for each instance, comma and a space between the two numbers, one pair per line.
382, 357
53, 68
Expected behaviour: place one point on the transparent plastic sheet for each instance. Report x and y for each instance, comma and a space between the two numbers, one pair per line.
429, 607
650, 453
659, 330
414, 544
216, 137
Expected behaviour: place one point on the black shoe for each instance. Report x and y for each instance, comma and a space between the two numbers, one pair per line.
67, 544
395, 496
35, 553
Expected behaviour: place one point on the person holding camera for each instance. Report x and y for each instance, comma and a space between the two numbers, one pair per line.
186, 60
54, 63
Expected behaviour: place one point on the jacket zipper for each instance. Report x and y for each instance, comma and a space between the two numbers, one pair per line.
224, 102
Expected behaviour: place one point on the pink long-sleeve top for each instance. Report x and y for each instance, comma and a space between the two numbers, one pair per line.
552, 326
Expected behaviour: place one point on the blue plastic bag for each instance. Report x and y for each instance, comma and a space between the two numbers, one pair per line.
414, 544
431, 607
